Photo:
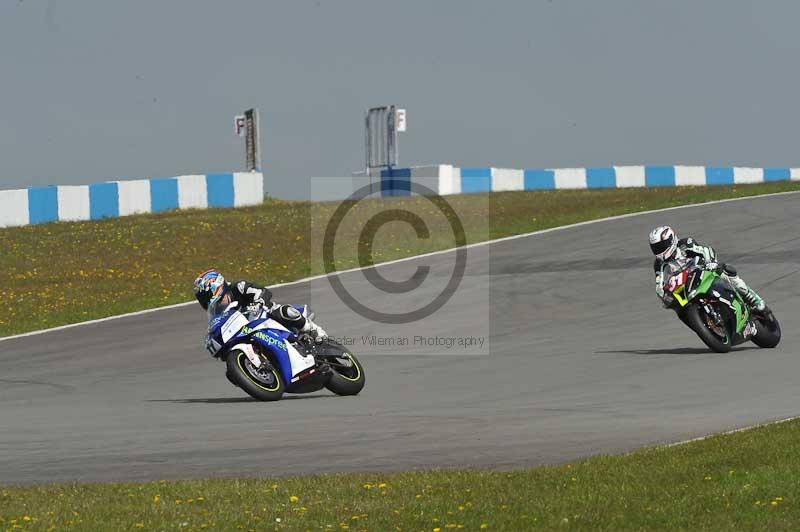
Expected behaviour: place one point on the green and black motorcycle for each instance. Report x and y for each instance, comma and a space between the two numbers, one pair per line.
706, 302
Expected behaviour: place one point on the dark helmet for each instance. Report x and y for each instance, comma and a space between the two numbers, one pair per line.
209, 287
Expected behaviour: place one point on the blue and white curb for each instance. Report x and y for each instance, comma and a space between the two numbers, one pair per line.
123, 198
447, 179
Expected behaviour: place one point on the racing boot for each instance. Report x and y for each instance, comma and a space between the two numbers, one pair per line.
754, 300
314, 330
750, 297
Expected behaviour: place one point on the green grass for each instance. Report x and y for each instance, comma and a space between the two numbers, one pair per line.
64, 273
742, 481
67, 272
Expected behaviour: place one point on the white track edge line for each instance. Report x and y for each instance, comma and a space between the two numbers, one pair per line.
405, 259
727, 432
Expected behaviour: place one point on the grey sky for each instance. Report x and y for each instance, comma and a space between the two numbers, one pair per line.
91, 90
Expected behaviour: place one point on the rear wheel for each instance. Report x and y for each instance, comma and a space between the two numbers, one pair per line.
263, 383
768, 330
347, 374
710, 327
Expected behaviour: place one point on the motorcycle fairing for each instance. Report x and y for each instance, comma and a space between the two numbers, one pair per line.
725, 293
685, 284
289, 359
233, 328
232, 325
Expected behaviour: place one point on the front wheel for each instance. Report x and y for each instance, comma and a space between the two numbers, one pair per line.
711, 328
263, 383
768, 330
347, 374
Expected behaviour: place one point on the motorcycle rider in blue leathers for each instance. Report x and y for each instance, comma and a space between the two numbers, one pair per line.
666, 246
214, 294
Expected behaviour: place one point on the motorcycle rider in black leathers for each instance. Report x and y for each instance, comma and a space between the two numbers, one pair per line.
666, 246
214, 294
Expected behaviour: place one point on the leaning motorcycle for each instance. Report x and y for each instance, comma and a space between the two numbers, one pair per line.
707, 303
266, 360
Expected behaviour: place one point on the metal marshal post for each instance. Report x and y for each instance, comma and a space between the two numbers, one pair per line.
247, 127
381, 126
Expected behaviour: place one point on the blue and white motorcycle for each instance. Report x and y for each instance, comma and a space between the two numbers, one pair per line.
266, 360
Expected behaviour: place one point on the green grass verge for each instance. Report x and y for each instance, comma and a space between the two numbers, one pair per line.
63, 273
742, 481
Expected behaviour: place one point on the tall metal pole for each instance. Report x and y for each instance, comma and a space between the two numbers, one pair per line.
258, 140
367, 145
251, 141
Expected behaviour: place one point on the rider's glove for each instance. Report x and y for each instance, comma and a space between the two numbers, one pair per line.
662, 296
711, 266
253, 310
660, 290
659, 285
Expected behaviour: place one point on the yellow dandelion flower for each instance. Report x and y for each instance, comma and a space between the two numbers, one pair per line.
294, 499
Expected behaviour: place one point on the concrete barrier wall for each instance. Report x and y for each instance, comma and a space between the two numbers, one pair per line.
123, 198
448, 179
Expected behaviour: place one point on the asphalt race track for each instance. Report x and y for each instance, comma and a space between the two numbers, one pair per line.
581, 359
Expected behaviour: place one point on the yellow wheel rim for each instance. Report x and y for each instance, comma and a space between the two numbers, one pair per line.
247, 373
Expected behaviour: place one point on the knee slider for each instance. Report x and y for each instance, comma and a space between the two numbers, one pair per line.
730, 270
290, 313
290, 316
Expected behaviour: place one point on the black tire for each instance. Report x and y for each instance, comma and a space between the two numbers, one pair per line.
347, 374
264, 385
229, 376
696, 317
768, 330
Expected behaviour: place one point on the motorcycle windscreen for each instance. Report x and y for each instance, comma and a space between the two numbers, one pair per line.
231, 325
